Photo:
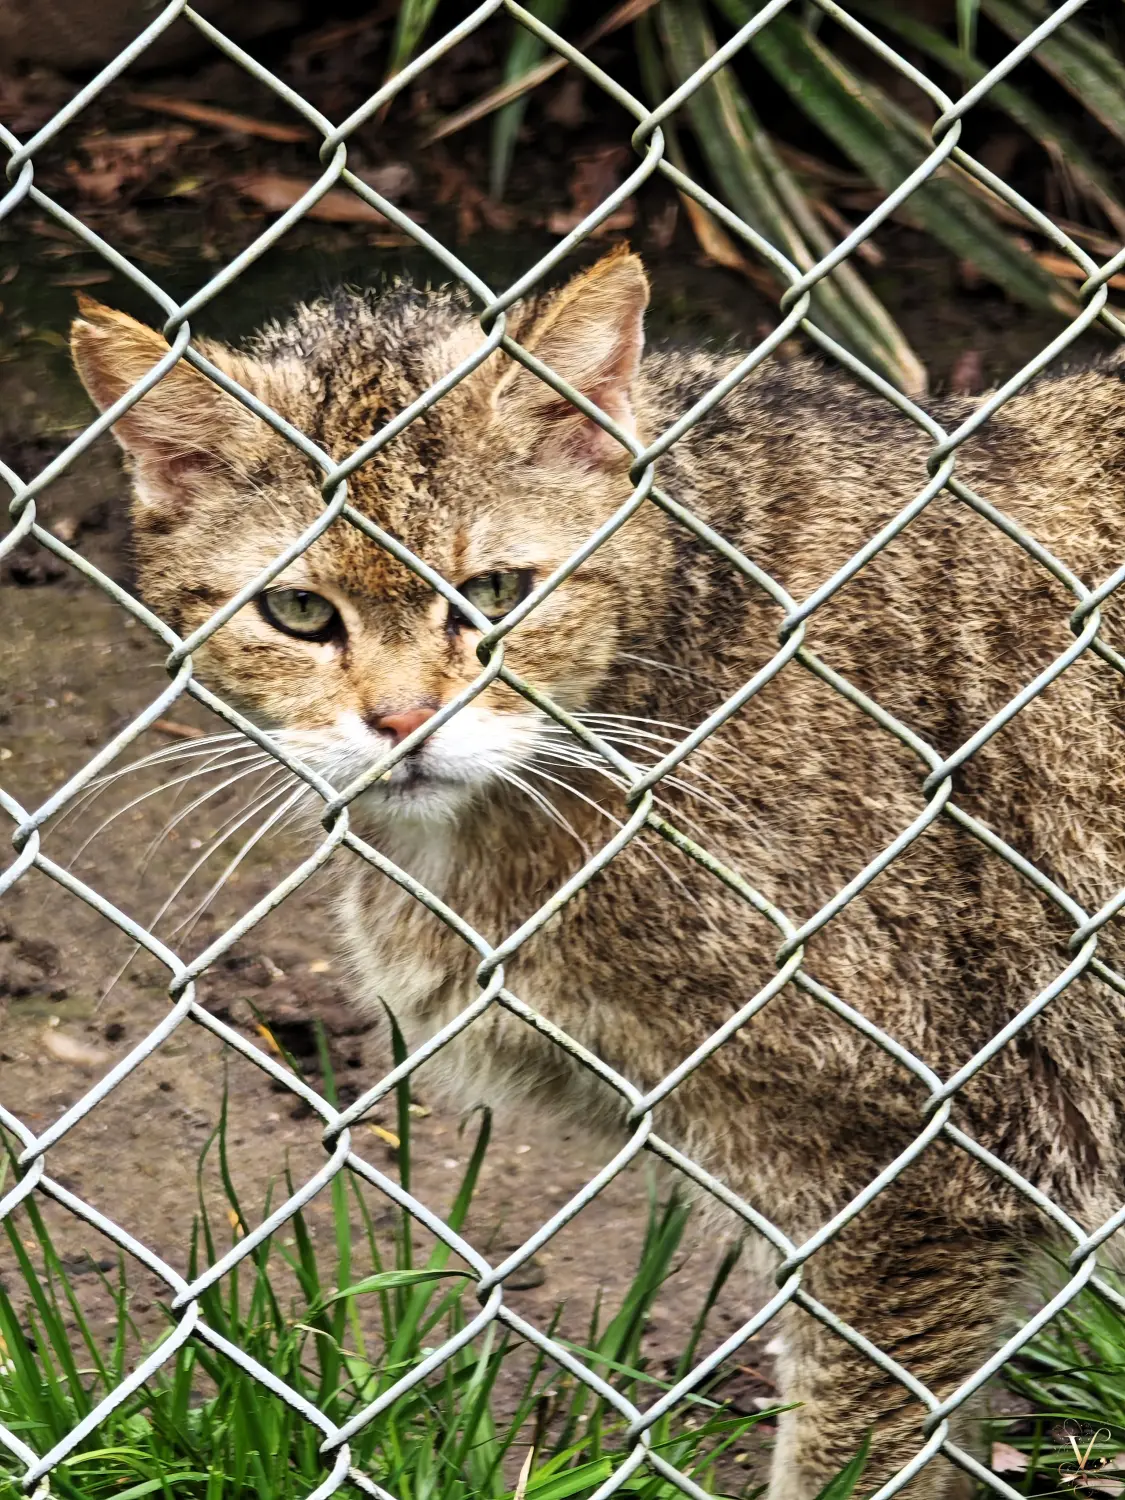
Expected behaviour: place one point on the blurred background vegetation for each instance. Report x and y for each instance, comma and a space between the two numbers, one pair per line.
802, 135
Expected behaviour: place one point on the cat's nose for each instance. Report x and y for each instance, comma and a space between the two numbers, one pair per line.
398, 726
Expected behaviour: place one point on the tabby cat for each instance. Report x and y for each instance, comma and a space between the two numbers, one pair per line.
494, 486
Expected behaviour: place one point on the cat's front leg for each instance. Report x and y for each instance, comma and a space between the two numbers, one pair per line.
930, 1294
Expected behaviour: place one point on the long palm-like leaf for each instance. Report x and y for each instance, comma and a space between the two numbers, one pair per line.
759, 188
1088, 175
887, 144
1076, 58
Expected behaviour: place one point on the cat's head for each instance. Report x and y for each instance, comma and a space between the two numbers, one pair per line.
493, 486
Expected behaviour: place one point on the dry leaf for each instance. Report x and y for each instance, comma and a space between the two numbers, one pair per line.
1008, 1460
866, 250
224, 119
268, 1037
82, 278
596, 174
718, 246
276, 192
132, 159
1069, 270
662, 225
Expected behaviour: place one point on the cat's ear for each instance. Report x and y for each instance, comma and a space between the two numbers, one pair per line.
182, 432
592, 334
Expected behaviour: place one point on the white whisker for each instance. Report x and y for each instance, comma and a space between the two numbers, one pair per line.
544, 803
634, 844
193, 917
227, 831
165, 786
258, 768
675, 671
170, 753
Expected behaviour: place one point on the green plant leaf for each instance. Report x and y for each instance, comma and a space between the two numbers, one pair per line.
887, 144
1072, 55
414, 17
382, 1280
585, 1477
967, 14
524, 53
843, 1484
1043, 127
761, 191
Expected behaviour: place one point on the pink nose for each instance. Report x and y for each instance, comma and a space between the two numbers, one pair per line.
398, 726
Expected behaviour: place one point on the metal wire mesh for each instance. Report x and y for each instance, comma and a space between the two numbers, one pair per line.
792, 654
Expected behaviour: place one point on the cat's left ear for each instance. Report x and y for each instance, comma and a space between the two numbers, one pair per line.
592, 334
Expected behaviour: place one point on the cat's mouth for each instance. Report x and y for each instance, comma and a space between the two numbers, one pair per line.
418, 785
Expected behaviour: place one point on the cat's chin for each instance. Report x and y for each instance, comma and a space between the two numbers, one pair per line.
418, 798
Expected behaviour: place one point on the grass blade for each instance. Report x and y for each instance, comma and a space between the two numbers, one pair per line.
967, 13
525, 51
414, 17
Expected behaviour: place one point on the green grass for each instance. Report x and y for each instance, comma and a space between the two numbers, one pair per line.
339, 1322
1072, 1375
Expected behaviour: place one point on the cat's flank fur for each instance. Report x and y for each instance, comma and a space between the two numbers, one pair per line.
797, 467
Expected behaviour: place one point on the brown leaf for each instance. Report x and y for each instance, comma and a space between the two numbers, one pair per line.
132, 159
82, 278
567, 108
1069, 270
276, 192
223, 119
718, 246
662, 224
596, 174
1008, 1460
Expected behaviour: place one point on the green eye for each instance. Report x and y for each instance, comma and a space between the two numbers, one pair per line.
297, 612
497, 594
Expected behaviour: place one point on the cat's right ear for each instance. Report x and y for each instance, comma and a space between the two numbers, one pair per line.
183, 431
592, 334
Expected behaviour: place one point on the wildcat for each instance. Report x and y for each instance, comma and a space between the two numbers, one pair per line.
496, 485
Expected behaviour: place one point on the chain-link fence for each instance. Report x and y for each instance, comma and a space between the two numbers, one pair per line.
341, 842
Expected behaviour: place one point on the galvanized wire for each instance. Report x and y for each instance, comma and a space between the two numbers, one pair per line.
935, 788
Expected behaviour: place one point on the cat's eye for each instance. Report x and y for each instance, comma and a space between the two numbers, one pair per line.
301, 613
496, 594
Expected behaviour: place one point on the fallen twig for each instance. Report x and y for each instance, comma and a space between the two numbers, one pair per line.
498, 97
177, 731
224, 119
